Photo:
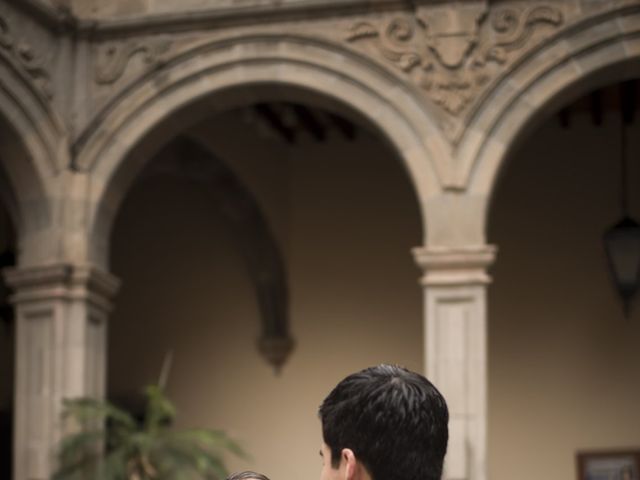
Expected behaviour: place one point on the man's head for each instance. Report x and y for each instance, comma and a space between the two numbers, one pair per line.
390, 421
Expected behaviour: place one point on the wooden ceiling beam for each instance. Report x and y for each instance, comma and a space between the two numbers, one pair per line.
273, 118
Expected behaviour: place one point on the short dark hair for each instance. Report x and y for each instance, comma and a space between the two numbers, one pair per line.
247, 475
394, 420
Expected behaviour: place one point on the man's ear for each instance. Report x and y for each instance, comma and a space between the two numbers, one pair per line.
350, 463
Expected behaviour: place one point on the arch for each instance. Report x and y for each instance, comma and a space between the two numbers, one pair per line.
31, 149
209, 78
250, 229
580, 58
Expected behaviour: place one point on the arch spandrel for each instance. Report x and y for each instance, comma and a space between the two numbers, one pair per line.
454, 56
197, 83
32, 150
28, 87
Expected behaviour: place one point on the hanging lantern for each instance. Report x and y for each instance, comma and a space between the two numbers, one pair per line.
622, 241
622, 245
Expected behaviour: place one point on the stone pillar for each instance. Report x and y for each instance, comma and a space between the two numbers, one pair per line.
61, 317
455, 286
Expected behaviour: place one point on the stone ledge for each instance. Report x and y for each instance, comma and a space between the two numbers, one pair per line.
61, 280
448, 266
61, 19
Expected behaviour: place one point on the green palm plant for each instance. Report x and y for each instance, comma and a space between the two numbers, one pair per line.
108, 443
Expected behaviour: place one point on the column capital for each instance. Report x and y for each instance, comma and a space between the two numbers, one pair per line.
62, 281
450, 266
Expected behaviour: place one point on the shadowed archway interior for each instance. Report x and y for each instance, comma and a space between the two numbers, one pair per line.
187, 158
561, 351
7, 336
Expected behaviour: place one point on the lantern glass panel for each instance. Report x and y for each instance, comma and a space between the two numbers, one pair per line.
622, 243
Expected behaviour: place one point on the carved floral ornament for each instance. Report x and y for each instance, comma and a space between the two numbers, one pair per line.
453, 54
25, 59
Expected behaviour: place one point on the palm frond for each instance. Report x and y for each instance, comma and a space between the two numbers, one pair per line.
160, 411
76, 442
109, 444
211, 439
89, 409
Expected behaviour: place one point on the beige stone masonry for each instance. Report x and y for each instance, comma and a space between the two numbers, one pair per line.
61, 316
455, 286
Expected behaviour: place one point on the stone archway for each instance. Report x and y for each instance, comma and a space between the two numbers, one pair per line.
213, 79
202, 80
220, 75
325, 252
208, 80
579, 59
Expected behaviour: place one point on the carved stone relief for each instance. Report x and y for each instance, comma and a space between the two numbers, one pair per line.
453, 54
25, 59
113, 58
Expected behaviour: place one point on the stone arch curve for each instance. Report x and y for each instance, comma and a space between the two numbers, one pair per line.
192, 160
205, 78
32, 150
582, 57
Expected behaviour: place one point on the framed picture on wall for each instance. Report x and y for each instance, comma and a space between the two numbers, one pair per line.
609, 465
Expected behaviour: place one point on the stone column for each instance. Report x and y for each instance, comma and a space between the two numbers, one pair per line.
61, 316
455, 286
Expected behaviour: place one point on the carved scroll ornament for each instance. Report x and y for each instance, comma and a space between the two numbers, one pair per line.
114, 58
25, 59
454, 53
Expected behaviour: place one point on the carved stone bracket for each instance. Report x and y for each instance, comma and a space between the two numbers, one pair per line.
25, 59
113, 58
453, 54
